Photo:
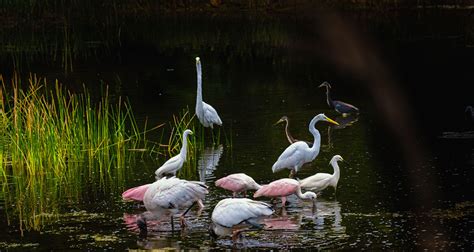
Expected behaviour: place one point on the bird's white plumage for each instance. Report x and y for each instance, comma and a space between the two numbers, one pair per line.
171, 194
230, 212
321, 181
175, 163
206, 114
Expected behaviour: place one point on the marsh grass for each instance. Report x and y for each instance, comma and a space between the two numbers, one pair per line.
54, 143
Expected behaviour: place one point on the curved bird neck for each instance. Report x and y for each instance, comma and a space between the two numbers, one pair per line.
199, 88
316, 135
288, 134
336, 174
301, 195
184, 146
328, 97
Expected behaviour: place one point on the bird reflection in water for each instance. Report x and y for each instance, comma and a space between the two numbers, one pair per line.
208, 162
344, 122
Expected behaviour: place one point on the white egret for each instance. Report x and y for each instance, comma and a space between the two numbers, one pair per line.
175, 163
321, 181
206, 114
168, 196
299, 153
234, 211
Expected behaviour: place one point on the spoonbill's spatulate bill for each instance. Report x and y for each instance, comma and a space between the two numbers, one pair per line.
231, 212
175, 163
299, 153
206, 114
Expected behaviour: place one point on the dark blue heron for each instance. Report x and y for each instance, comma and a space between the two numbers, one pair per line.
339, 106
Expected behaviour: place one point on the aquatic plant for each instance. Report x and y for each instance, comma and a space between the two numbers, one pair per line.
54, 142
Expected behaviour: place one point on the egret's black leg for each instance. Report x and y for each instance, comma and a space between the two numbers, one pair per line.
183, 223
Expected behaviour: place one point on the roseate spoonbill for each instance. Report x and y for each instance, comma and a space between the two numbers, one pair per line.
238, 182
321, 181
234, 211
282, 188
290, 138
175, 163
168, 196
135, 193
339, 106
206, 114
299, 153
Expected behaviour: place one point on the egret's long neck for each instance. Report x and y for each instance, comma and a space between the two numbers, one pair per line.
184, 147
287, 131
316, 135
336, 174
301, 195
328, 97
199, 87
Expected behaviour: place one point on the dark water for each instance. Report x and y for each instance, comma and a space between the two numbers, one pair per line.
404, 185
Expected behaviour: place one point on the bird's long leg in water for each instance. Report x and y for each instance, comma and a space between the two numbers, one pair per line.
181, 218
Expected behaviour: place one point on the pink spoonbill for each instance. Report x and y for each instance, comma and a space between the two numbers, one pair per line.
299, 153
238, 182
229, 213
168, 196
282, 188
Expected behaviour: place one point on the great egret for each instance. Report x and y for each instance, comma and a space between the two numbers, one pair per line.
282, 188
168, 196
321, 181
339, 106
290, 138
231, 212
299, 153
238, 182
206, 114
175, 163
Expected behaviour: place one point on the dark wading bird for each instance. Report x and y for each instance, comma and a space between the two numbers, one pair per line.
339, 106
290, 138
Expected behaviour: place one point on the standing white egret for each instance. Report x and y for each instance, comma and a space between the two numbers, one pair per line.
206, 114
168, 196
321, 181
299, 153
175, 163
234, 211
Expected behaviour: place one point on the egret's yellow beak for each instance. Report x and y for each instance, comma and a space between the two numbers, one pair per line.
331, 121
279, 121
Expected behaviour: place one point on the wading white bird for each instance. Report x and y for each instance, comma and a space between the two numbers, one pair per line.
321, 181
282, 188
238, 182
234, 211
175, 163
206, 114
168, 196
299, 153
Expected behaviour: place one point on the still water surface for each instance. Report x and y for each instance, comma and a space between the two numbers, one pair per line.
375, 206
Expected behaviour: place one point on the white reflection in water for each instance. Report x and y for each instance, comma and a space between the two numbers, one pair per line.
208, 162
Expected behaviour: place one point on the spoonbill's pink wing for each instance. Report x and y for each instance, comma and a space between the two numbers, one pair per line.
231, 183
135, 193
281, 187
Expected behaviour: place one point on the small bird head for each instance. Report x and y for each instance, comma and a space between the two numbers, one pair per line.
336, 158
198, 60
311, 196
188, 132
325, 84
282, 119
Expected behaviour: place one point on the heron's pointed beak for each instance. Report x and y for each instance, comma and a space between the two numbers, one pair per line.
278, 122
331, 121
